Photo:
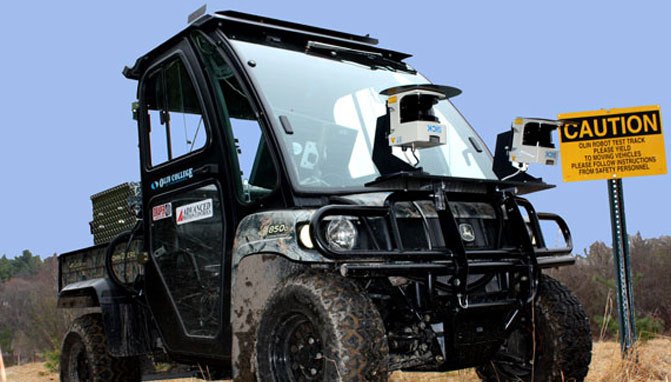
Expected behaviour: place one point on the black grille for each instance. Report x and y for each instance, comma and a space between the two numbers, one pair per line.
418, 224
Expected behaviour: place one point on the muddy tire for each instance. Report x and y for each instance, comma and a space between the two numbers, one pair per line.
319, 327
563, 342
84, 356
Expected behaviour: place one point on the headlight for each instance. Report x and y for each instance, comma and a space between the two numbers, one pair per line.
341, 234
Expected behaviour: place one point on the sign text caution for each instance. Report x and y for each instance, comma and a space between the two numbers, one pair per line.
612, 144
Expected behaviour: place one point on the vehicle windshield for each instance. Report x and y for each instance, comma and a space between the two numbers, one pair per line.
332, 107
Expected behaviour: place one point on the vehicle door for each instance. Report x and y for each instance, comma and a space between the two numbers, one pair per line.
206, 164
188, 228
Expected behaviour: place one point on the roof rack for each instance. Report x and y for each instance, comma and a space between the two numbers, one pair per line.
254, 28
298, 27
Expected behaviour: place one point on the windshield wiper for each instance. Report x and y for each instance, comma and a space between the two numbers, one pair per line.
372, 59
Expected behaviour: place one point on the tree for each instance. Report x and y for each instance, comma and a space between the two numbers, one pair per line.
26, 264
6, 269
592, 279
28, 308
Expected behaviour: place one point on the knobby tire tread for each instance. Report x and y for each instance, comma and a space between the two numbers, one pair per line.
360, 351
564, 328
104, 368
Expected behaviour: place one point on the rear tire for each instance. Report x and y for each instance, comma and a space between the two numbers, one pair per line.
320, 327
84, 356
563, 342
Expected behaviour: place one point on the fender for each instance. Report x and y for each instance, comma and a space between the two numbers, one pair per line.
256, 278
265, 253
274, 232
124, 319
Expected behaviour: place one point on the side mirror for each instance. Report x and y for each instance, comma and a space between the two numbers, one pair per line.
528, 141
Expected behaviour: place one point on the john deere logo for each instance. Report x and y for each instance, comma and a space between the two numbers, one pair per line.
467, 233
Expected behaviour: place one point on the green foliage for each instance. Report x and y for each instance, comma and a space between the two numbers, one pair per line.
6, 269
611, 326
6, 337
26, 264
592, 280
607, 282
649, 327
52, 360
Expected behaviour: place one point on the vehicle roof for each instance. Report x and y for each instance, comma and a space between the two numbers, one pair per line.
264, 30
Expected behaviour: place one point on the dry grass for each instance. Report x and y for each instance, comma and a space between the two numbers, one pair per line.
454, 376
649, 361
654, 365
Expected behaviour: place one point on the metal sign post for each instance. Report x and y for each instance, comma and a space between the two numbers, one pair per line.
622, 261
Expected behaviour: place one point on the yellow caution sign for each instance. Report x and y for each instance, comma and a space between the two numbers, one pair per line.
612, 144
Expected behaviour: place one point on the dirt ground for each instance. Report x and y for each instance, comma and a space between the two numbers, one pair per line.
654, 364
31, 372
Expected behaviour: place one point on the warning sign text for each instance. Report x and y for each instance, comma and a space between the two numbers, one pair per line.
609, 144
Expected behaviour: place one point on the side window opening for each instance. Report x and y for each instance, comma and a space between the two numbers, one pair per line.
176, 126
245, 138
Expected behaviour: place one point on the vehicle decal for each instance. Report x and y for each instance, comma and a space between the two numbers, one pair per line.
195, 211
253, 236
170, 180
162, 211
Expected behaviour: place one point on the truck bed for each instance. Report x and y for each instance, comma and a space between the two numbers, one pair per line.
89, 263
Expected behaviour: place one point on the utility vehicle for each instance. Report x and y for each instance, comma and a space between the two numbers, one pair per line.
311, 208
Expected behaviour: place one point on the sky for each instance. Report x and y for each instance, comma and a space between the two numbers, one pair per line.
65, 108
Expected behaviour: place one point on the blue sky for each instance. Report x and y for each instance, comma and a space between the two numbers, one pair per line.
67, 130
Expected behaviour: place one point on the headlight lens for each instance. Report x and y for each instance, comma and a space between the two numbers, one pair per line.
341, 234
304, 236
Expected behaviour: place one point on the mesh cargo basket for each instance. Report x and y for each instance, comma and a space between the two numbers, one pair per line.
112, 212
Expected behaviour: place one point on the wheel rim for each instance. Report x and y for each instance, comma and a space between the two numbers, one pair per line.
514, 360
79, 367
296, 352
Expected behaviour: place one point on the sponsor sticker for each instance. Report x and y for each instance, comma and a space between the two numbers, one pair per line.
195, 211
162, 211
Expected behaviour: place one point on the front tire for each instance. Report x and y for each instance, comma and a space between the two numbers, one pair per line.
84, 356
321, 327
563, 342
